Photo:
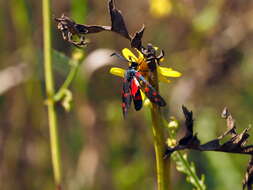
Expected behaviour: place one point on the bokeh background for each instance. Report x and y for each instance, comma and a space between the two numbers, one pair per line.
210, 42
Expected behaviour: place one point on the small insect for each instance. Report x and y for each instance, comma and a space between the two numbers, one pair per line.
152, 59
132, 84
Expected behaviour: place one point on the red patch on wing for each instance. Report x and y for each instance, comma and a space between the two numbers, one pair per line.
137, 74
138, 97
134, 87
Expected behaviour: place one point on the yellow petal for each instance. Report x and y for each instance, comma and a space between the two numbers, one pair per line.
140, 55
143, 95
168, 72
146, 101
117, 71
129, 55
162, 78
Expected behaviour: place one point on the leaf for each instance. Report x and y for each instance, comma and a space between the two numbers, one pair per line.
236, 144
62, 62
70, 29
136, 40
118, 24
189, 138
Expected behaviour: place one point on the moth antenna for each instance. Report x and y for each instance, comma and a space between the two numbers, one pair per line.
119, 56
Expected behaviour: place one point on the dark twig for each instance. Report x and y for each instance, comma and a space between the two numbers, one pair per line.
236, 144
70, 29
248, 179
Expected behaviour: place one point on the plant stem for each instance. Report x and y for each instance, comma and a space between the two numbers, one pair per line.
52, 117
188, 167
162, 165
67, 82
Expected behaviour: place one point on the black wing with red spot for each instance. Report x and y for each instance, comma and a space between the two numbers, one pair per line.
137, 100
149, 90
132, 84
126, 96
131, 90
135, 90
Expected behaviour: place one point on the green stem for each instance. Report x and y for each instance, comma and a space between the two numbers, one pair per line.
162, 165
188, 167
67, 82
52, 117
180, 160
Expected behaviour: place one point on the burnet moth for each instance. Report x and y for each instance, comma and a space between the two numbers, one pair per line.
133, 83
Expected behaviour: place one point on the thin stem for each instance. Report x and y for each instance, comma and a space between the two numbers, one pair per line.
180, 160
52, 117
162, 165
188, 167
67, 82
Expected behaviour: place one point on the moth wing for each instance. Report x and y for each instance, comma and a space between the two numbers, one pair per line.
126, 96
137, 100
149, 90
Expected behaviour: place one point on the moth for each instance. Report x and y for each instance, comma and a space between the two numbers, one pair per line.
133, 84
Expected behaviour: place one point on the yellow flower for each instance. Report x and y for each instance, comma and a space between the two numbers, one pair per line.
160, 8
163, 72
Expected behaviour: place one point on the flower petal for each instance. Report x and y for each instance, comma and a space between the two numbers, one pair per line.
118, 72
168, 72
162, 78
129, 55
146, 101
140, 55
143, 95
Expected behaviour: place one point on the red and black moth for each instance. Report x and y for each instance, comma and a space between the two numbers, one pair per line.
133, 83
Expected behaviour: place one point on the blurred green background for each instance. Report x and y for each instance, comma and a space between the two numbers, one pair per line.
210, 42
